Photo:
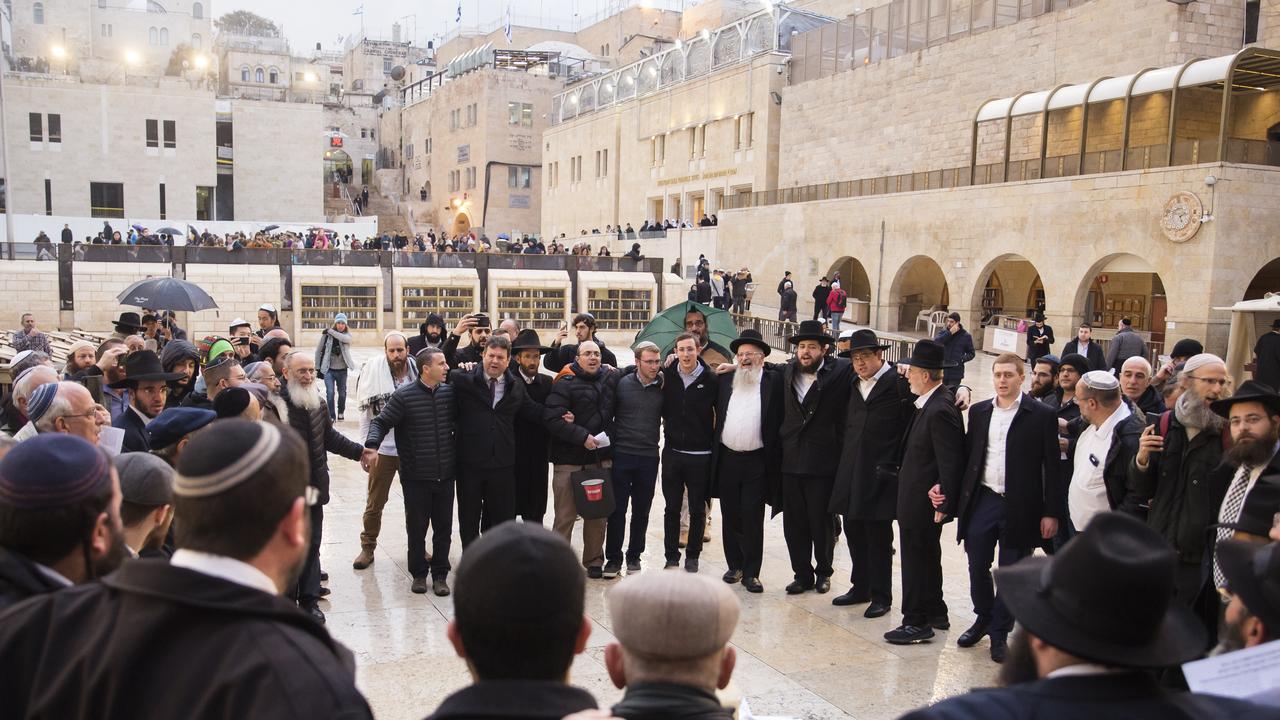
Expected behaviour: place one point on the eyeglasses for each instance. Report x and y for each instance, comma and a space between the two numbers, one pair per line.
96, 411
1210, 381
750, 354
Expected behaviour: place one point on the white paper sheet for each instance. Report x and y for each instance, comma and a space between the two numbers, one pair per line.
1243, 674
111, 439
602, 440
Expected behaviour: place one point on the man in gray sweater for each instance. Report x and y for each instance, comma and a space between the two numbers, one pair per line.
1125, 344
634, 434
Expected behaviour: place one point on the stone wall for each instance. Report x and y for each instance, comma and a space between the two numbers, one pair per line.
238, 290
30, 287
279, 160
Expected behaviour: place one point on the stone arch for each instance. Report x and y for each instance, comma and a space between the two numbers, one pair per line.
461, 224
1011, 285
857, 285
1122, 285
918, 284
1266, 280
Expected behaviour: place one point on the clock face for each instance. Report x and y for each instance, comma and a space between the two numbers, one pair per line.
1181, 219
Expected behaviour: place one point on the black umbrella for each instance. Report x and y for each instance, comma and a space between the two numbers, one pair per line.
170, 231
163, 293
269, 228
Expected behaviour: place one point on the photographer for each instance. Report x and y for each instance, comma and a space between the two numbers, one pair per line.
477, 325
244, 341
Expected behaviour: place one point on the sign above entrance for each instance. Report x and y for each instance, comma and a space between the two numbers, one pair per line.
697, 176
335, 141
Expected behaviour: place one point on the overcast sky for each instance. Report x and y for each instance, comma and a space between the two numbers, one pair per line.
306, 23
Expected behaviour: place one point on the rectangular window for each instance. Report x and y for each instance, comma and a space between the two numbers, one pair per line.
386, 66
48, 196
604, 163
371, 130
164, 210
526, 177
513, 113
106, 200
597, 163
748, 128
1252, 10
37, 127
170, 134
471, 177
526, 114
153, 133
513, 176
55, 128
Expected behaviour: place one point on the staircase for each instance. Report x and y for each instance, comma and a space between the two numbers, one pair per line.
389, 218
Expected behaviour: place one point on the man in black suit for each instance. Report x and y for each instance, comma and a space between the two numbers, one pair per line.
1082, 653
488, 400
1084, 345
815, 389
1009, 494
747, 466
932, 457
866, 488
148, 386
532, 440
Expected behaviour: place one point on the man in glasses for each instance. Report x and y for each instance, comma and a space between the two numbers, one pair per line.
1103, 451
70, 409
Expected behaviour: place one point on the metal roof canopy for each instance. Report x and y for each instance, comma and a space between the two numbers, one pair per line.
1253, 69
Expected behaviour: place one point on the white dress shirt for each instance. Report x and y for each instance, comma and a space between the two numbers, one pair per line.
1087, 495
803, 381
499, 388
742, 420
993, 473
225, 568
866, 386
920, 401
53, 575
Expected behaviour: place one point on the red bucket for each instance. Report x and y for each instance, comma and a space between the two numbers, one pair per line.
594, 490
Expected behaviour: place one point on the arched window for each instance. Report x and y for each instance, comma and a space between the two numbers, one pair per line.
196, 41
274, 76
244, 73
164, 36
197, 11
153, 36
37, 13
258, 75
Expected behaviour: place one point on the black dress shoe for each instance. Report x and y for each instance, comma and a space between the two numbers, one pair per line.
999, 649
440, 587
823, 585
732, 576
594, 572
752, 585
975, 633
314, 612
419, 585
671, 564
875, 610
324, 577
853, 597
909, 635
324, 591
940, 623
798, 587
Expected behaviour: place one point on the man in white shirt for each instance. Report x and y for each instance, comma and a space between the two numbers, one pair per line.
1102, 453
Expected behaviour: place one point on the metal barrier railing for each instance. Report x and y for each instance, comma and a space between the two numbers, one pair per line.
777, 333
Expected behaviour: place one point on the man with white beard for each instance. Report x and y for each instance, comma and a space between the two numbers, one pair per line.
308, 415
747, 468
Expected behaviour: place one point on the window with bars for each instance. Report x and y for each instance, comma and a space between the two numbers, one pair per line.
321, 302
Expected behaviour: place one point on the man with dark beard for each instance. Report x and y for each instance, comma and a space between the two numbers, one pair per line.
532, 440
1253, 416
309, 416
241, 501
1178, 472
1081, 652
59, 518
180, 356
1044, 379
1252, 615
430, 334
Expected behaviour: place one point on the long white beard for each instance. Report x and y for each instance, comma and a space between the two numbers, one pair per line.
306, 397
747, 379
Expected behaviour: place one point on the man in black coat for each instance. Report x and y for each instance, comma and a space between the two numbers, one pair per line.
104, 650
309, 416
489, 398
815, 389
1081, 653
932, 457
689, 391
424, 416
747, 467
1009, 494
584, 329
148, 386
1084, 345
430, 333
866, 486
958, 349
478, 328
821, 292
532, 440
1039, 339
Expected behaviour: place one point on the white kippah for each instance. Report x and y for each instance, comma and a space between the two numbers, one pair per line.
1100, 380
1198, 361
233, 474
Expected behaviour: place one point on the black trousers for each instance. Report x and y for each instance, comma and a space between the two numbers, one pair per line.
742, 491
486, 497
307, 593
807, 525
531, 484
871, 551
681, 472
428, 504
986, 530
922, 575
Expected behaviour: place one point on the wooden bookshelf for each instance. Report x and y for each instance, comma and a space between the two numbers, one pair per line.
321, 302
620, 309
418, 301
537, 308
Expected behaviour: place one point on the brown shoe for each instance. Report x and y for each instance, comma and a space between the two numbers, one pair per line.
363, 560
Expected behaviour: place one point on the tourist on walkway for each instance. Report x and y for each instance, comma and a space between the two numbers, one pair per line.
333, 359
837, 299
1125, 344
957, 345
787, 305
820, 293
1083, 344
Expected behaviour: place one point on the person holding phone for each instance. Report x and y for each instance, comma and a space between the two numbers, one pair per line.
478, 327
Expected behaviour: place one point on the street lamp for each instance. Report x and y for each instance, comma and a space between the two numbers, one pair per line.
309, 77
58, 51
202, 62
131, 57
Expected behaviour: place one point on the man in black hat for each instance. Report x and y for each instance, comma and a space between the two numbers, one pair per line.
747, 467
1182, 351
1039, 339
532, 439
933, 457
1252, 615
518, 622
866, 485
241, 506
1079, 652
148, 386
1266, 357
1253, 416
59, 520
815, 395
130, 323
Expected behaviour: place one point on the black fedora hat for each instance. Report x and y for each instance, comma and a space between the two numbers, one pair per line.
865, 340
1250, 391
528, 339
129, 321
143, 365
811, 330
750, 336
1253, 573
1038, 317
928, 355
1107, 597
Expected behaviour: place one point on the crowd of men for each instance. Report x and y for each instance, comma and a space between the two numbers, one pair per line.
211, 512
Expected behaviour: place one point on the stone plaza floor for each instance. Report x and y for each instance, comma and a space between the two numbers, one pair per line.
798, 656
